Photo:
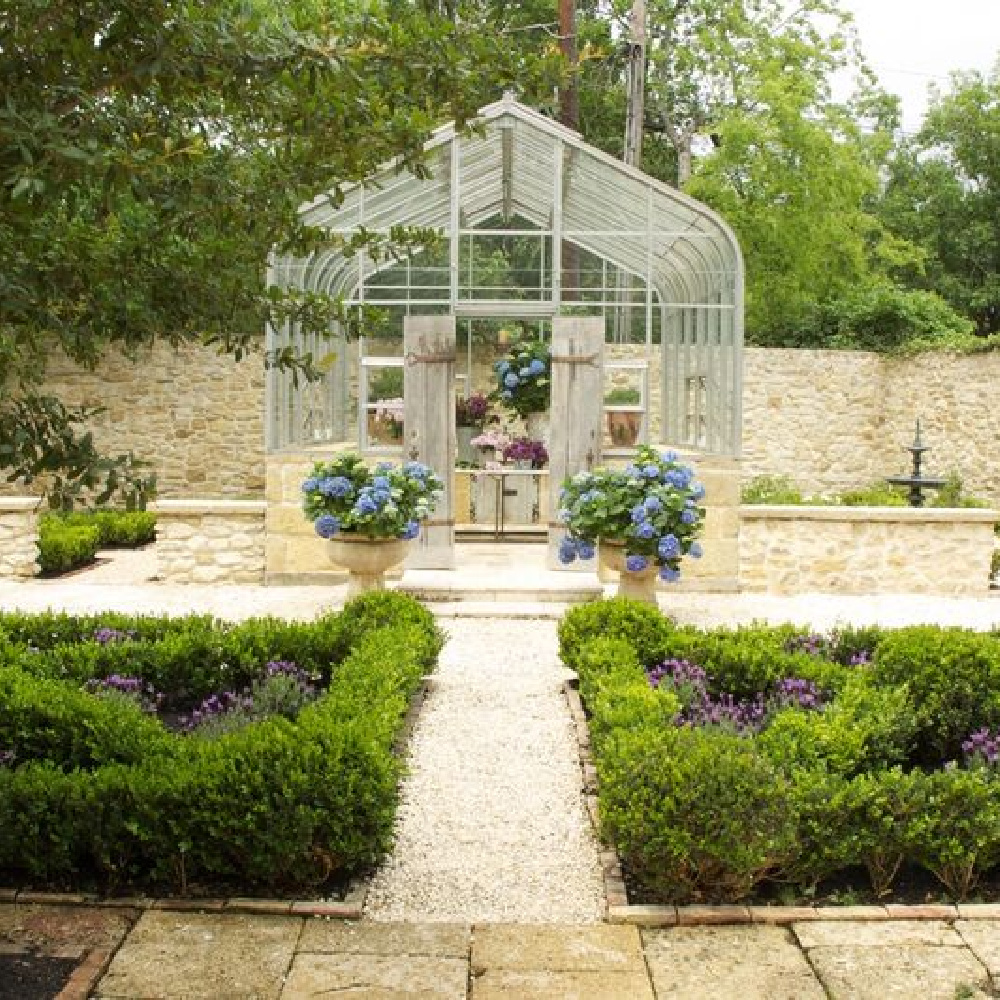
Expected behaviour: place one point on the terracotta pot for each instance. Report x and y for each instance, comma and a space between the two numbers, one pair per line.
639, 586
366, 559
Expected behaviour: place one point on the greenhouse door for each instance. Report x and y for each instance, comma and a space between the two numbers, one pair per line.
429, 419
577, 411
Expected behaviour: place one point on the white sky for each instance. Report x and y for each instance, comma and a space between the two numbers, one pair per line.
912, 43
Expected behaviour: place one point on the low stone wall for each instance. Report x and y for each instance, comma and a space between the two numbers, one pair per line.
19, 536
866, 550
210, 541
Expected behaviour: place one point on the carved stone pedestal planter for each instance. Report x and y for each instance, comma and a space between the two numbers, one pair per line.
640, 586
366, 559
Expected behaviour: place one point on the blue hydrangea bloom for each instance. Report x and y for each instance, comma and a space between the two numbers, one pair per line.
511, 380
381, 483
410, 530
381, 497
638, 514
669, 574
669, 547
645, 530
653, 504
689, 516
668, 456
636, 564
309, 486
503, 367
565, 514
537, 366
326, 525
567, 551
697, 491
651, 471
525, 373
365, 505
680, 477
632, 471
336, 486
382, 468
417, 470
695, 551
585, 550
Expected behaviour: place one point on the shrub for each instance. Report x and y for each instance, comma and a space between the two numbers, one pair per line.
637, 623
63, 547
878, 494
281, 805
127, 529
771, 490
953, 677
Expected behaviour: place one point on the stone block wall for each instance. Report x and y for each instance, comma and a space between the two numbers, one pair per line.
210, 541
19, 536
866, 550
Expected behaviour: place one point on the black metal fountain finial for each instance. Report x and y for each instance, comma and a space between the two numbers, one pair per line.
915, 481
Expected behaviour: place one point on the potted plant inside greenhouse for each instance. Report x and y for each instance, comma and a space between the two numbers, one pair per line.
644, 519
368, 516
471, 415
523, 375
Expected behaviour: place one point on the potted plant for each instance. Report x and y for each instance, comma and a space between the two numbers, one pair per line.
471, 414
368, 516
526, 453
491, 442
645, 517
523, 375
623, 413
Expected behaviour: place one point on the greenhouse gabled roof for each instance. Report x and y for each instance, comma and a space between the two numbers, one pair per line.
518, 164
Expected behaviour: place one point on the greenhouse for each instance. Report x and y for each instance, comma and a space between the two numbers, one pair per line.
533, 227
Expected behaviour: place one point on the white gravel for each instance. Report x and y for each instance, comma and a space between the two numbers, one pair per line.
492, 825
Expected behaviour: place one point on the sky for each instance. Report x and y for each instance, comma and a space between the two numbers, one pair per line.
912, 43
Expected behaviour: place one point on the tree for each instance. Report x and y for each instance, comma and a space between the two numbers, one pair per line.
943, 195
153, 152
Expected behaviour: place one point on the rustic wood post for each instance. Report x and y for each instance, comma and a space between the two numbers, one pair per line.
429, 422
577, 404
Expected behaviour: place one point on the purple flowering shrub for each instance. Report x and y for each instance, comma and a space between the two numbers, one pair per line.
105, 635
982, 748
741, 716
135, 689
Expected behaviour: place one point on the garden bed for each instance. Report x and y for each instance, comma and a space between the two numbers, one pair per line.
156, 755
765, 764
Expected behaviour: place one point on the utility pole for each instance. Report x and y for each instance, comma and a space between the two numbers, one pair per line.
636, 83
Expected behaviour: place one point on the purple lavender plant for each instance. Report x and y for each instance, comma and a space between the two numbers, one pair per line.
215, 706
795, 692
982, 748
106, 635
133, 688
814, 644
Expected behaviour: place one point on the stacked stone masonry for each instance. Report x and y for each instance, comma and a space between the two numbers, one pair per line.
210, 541
866, 550
18, 536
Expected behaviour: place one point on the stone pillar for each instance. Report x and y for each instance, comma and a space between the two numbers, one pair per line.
577, 404
19, 536
718, 569
429, 420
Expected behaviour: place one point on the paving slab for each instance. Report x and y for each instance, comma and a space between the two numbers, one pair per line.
983, 938
587, 947
885, 933
197, 956
543, 984
370, 938
377, 977
757, 962
929, 972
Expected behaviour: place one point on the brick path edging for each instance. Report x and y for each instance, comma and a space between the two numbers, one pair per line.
618, 910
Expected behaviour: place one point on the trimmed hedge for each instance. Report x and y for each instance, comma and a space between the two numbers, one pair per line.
704, 806
68, 541
101, 796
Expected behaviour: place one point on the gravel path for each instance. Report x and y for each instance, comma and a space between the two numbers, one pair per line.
492, 826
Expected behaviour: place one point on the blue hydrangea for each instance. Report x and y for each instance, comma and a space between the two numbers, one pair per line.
326, 525
636, 564
410, 530
585, 550
669, 547
365, 505
633, 471
695, 551
511, 380
567, 551
537, 366
697, 491
502, 367
645, 530
309, 486
381, 497
638, 514
669, 574
381, 483
565, 514
689, 516
525, 373
679, 477
653, 504
335, 486
382, 468
651, 471
416, 470
668, 456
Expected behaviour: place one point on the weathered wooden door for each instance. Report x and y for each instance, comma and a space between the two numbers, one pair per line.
429, 422
576, 407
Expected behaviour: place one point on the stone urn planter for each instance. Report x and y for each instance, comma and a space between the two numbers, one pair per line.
366, 559
537, 425
641, 585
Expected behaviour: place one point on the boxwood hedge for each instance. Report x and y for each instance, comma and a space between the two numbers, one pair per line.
97, 795
767, 761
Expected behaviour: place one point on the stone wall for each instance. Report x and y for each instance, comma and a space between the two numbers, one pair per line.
18, 536
210, 541
866, 550
196, 415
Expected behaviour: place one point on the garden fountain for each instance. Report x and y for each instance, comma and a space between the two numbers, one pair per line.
915, 481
